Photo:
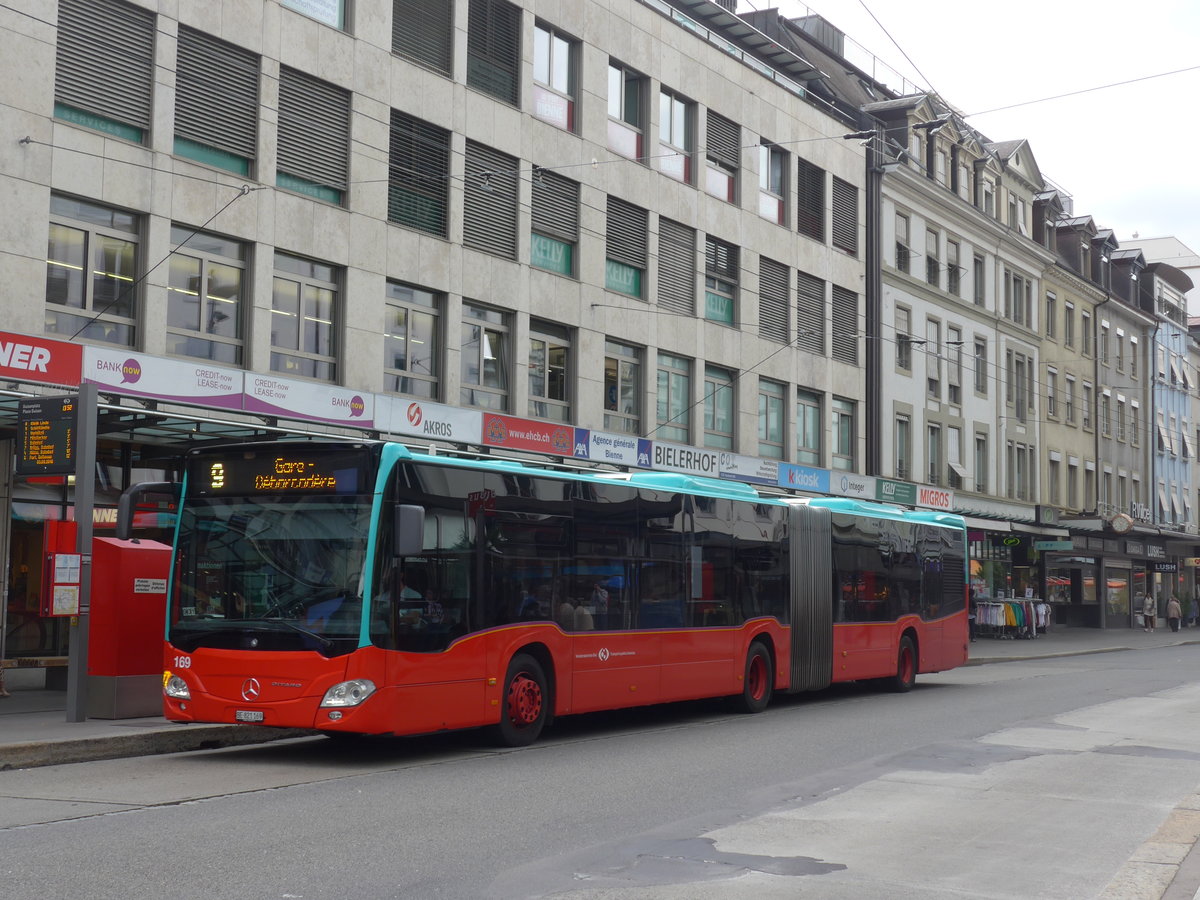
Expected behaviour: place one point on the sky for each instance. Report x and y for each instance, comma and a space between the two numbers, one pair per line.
1128, 155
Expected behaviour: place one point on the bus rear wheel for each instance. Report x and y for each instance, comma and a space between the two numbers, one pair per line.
906, 667
525, 703
758, 681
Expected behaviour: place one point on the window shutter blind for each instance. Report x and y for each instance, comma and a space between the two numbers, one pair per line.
626, 233
418, 166
721, 260
676, 267
845, 325
216, 93
314, 129
105, 60
810, 200
772, 300
555, 206
423, 31
494, 48
490, 201
724, 140
845, 216
810, 313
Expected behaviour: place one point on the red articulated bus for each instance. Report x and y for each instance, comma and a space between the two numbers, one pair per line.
365, 588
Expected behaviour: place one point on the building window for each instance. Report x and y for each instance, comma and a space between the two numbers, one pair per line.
1085, 330
933, 262
1135, 424
720, 281
1072, 486
1133, 357
1068, 324
933, 359
810, 313
903, 247
844, 232
1052, 393
313, 137
1018, 298
485, 337
979, 280
842, 435
772, 187
904, 339
724, 157
490, 186
625, 260
810, 200
772, 418
332, 13
549, 371
956, 473
418, 174
1086, 401
953, 269
304, 318
411, 341
622, 388
494, 49
1069, 400
423, 31
845, 325
676, 136
933, 454
673, 415
1052, 481
554, 64
204, 296
626, 113
903, 447
982, 460
1102, 344
91, 272
104, 74
718, 408
809, 427
216, 102
554, 217
1121, 434
1051, 315
982, 374
954, 354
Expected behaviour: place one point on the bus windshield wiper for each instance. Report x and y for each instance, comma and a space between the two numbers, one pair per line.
292, 625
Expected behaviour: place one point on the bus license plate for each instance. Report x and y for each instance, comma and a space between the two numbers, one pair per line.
248, 715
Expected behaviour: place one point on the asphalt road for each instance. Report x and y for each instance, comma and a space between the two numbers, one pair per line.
1012, 780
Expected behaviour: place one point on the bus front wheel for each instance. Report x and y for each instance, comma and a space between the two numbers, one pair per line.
758, 680
525, 703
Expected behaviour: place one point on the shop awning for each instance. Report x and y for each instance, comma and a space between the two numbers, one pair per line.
986, 524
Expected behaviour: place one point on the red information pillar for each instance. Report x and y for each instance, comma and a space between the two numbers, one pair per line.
129, 592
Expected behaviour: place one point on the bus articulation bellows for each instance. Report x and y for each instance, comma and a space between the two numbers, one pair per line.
365, 588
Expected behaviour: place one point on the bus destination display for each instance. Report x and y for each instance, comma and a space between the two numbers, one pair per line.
47, 436
281, 472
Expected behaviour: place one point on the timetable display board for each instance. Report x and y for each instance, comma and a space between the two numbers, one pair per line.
46, 427
279, 469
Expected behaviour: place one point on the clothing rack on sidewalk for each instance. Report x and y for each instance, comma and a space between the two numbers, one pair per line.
1011, 619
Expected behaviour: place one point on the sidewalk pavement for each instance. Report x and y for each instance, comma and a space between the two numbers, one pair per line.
34, 730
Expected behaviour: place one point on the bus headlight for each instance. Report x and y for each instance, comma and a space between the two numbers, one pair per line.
176, 687
349, 693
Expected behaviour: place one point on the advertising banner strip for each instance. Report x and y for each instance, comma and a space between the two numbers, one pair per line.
528, 435
309, 400
40, 360
428, 420
179, 381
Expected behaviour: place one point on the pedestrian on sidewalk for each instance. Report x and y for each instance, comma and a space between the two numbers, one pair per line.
1149, 611
1174, 613
1193, 609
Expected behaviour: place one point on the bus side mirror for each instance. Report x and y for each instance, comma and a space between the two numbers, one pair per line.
129, 500
409, 533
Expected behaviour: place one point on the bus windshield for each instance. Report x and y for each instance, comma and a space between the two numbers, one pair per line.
270, 573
